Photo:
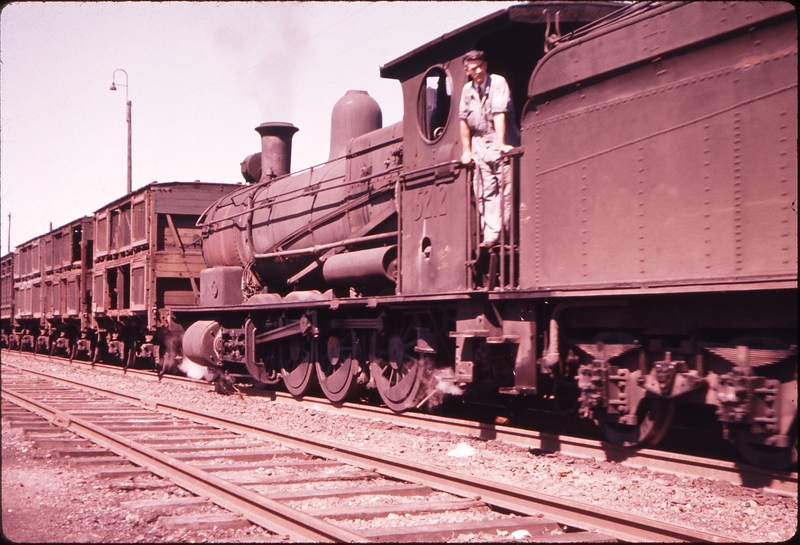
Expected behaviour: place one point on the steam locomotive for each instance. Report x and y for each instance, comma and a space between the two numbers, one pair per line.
651, 258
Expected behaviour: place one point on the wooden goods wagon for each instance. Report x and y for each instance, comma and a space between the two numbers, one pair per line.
6, 298
147, 259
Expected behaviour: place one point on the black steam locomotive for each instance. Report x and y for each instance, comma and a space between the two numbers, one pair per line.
651, 258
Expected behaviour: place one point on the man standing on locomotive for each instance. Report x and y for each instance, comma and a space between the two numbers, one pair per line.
488, 128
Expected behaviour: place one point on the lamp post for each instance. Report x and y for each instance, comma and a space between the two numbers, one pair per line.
114, 88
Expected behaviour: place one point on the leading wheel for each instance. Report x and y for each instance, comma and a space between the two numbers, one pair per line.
398, 371
297, 356
654, 415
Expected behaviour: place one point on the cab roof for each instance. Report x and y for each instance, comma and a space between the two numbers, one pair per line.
454, 44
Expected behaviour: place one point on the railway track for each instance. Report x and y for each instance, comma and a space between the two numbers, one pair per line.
226, 460
780, 482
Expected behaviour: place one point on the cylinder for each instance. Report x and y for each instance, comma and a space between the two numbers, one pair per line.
276, 148
200, 343
356, 113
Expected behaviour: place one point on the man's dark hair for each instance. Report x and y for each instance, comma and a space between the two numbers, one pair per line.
474, 55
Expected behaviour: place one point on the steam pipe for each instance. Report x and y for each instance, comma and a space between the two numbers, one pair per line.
317, 249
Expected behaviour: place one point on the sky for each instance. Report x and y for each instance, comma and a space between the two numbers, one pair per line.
200, 75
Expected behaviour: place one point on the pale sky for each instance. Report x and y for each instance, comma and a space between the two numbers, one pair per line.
202, 75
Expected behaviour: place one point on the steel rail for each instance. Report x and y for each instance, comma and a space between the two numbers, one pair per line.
622, 526
657, 460
270, 514
783, 483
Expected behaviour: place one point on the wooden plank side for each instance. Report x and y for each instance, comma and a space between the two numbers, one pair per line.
192, 199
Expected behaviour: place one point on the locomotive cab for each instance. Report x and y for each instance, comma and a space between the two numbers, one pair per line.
439, 249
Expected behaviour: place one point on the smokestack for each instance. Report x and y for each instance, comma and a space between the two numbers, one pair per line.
276, 148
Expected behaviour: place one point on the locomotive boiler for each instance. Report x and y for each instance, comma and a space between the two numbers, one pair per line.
650, 259
279, 227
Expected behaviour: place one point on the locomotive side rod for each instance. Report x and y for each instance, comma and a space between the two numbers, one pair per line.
300, 327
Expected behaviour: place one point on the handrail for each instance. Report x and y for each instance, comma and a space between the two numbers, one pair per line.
293, 194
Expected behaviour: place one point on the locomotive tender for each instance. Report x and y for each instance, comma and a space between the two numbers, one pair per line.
651, 258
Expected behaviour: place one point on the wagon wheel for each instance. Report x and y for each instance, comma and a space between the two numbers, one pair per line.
297, 356
267, 370
129, 357
95, 355
398, 371
338, 366
655, 416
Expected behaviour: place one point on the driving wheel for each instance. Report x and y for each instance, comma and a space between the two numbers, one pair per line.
338, 366
398, 371
297, 355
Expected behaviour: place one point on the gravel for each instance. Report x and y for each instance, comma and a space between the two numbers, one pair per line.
45, 499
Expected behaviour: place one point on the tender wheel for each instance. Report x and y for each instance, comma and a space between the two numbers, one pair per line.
297, 356
97, 355
338, 366
130, 358
768, 457
655, 416
397, 369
